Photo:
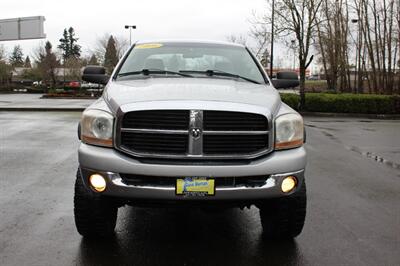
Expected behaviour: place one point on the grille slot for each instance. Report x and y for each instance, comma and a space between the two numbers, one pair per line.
154, 143
234, 121
233, 144
157, 119
167, 181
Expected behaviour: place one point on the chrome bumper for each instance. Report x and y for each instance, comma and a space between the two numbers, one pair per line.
109, 163
116, 187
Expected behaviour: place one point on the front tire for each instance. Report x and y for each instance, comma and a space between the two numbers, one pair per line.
283, 218
95, 215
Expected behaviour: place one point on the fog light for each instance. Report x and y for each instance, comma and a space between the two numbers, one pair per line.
288, 184
97, 182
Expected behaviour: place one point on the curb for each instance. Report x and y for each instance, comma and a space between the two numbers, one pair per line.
70, 98
371, 116
42, 109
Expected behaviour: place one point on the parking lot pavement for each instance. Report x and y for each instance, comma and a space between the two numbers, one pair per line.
34, 101
353, 215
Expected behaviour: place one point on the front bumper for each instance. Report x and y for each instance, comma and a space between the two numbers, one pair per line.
109, 163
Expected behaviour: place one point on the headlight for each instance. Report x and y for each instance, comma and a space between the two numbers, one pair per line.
289, 131
97, 128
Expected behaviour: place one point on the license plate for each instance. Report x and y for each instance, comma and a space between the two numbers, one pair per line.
195, 186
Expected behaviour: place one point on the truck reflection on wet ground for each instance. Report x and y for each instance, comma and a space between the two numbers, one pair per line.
189, 237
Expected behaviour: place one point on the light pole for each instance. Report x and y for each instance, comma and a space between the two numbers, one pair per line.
294, 53
130, 27
358, 57
271, 66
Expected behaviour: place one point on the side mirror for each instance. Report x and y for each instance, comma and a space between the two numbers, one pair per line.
285, 80
95, 74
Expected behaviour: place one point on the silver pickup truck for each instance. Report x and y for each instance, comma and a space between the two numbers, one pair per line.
193, 124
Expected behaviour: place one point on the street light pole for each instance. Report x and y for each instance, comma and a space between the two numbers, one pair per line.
272, 39
130, 27
294, 53
358, 57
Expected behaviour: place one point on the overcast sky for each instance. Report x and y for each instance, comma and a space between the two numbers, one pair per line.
201, 19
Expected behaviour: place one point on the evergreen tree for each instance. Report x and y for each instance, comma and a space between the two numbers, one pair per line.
110, 57
28, 62
16, 58
93, 60
64, 45
5, 68
75, 48
48, 63
68, 44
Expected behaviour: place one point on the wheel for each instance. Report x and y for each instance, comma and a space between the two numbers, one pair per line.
95, 215
283, 218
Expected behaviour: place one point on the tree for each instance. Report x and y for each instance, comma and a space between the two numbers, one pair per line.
74, 66
5, 73
240, 39
365, 32
332, 35
298, 18
27, 63
261, 34
93, 60
68, 44
5, 69
47, 63
16, 58
33, 74
64, 45
75, 48
345, 34
121, 45
380, 34
110, 56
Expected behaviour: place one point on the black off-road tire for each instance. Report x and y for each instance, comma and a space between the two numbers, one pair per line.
95, 215
283, 218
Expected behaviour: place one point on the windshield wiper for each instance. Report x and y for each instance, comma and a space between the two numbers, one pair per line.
216, 72
147, 72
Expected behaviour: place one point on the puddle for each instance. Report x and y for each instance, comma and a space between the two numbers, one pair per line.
329, 135
327, 128
375, 157
329, 121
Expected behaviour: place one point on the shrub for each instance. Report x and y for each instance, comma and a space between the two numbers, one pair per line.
291, 99
346, 103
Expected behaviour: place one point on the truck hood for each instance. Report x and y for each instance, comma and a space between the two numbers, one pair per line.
224, 93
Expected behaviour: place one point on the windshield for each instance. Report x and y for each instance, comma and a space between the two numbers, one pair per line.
191, 58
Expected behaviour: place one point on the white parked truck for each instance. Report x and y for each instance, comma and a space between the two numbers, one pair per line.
194, 124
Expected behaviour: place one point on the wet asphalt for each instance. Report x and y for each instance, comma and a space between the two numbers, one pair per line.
353, 217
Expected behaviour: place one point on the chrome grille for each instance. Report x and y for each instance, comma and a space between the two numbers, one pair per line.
193, 134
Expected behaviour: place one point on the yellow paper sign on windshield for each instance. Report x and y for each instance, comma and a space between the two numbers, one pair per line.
148, 46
